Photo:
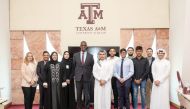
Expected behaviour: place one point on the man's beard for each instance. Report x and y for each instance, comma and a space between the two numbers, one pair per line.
130, 54
112, 55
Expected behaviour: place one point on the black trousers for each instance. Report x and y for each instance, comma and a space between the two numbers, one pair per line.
92, 81
115, 91
123, 91
42, 97
29, 94
83, 86
131, 93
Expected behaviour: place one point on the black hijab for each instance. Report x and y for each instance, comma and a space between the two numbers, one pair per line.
65, 60
51, 59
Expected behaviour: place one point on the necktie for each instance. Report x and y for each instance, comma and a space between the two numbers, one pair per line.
82, 57
121, 74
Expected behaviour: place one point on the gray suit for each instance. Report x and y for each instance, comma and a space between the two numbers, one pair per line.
83, 76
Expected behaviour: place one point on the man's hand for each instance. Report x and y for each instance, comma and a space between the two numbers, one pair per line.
45, 85
157, 82
32, 82
137, 81
68, 81
64, 84
122, 80
102, 82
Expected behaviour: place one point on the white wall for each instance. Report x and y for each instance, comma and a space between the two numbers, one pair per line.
186, 58
51, 14
62, 15
179, 43
5, 49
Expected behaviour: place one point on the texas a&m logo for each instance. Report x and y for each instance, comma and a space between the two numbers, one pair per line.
90, 12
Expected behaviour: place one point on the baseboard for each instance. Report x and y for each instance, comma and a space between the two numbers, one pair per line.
174, 104
5, 105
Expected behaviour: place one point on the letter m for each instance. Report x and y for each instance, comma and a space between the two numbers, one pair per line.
98, 14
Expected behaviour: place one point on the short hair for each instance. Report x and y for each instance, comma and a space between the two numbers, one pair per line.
103, 51
130, 48
45, 52
112, 49
139, 48
83, 42
149, 49
123, 49
51, 59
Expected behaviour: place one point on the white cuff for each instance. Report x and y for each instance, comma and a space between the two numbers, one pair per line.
45, 84
64, 84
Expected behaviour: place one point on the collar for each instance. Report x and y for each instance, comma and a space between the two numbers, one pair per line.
140, 58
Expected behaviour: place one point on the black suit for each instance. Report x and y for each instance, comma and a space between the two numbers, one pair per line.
83, 76
40, 70
150, 70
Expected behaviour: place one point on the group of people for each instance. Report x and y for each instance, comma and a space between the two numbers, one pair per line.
114, 77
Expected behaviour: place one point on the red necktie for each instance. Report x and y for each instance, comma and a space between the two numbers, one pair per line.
82, 57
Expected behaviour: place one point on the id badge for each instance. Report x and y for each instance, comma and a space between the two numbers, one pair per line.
67, 66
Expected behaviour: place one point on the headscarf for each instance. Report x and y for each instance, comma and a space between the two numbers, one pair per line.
163, 51
51, 59
63, 59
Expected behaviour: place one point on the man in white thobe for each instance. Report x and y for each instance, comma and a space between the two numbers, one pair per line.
102, 71
160, 88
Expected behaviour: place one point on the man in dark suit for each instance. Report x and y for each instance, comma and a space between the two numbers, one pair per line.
149, 82
82, 65
40, 70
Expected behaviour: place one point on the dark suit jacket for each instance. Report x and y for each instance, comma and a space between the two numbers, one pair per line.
150, 70
40, 70
83, 71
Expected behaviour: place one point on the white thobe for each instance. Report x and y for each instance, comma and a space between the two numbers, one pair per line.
102, 94
160, 94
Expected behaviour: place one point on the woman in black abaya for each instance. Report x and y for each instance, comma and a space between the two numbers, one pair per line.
68, 91
54, 82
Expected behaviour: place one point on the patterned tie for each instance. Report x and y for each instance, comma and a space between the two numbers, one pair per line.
82, 57
121, 75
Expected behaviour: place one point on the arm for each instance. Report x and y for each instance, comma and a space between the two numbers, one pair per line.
150, 70
115, 69
131, 71
95, 72
150, 74
166, 73
70, 71
154, 71
45, 73
63, 72
92, 63
35, 78
38, 71
110, 72
146, 70
73, 67
24, 75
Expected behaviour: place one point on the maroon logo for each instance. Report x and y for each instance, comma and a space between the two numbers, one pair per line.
90, 12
